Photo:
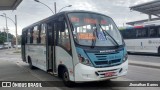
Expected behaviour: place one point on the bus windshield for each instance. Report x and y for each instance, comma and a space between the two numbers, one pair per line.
94, 30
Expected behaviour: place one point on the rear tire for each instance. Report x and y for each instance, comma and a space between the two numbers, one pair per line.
66, 81
30, 63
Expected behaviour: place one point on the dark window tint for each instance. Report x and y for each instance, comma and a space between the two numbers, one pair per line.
153, 31
129, 33
141, 33
144, 32
50, 36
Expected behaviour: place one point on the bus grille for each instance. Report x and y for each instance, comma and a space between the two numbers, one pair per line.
102, 61
110, 62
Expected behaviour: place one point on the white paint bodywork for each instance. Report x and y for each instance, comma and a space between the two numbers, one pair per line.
38, 55
64, 58
148, 45
77, 72
85, 73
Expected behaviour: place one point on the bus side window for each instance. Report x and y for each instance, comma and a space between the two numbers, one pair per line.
126, 35
35, 34
43, 34
144, 32
129, 34
138, 33
64, 39
153, 32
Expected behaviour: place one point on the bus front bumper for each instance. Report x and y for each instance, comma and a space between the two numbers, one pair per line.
85, 73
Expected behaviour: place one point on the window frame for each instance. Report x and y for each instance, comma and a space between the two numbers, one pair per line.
155, 32
36, 33
43, 27
60, 33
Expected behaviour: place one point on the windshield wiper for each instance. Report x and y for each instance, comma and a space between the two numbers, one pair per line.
93, 40
109, 35
95, 34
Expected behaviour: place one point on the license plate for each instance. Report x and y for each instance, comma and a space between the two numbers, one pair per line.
109, 74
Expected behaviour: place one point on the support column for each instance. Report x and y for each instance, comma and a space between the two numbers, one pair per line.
55, 8
16, 32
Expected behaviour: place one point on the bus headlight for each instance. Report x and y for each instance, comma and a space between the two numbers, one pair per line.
125, 57
84, 61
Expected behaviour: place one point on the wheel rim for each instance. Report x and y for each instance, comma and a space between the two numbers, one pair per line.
65, 76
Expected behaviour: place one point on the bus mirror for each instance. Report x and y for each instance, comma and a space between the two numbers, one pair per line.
61, 26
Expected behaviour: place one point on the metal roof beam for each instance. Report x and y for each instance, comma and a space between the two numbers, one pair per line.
144, 4
9, 4
153, 8
148, 8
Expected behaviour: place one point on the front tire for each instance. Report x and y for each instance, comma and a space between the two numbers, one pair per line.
66, 81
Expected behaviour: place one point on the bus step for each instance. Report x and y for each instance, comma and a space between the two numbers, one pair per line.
52, 73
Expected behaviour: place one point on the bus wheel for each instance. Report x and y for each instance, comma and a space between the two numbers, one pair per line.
30, 63
66, 81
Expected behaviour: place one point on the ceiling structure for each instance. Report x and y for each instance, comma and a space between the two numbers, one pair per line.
149, 8
9, 4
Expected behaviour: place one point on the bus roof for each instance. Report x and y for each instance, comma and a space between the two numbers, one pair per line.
61, 13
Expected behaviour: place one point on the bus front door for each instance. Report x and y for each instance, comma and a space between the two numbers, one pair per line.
50, 48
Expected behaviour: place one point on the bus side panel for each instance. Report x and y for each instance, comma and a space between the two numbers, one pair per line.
64, 58
31, 53
37, 53
130, 45
41, 57
149, 45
